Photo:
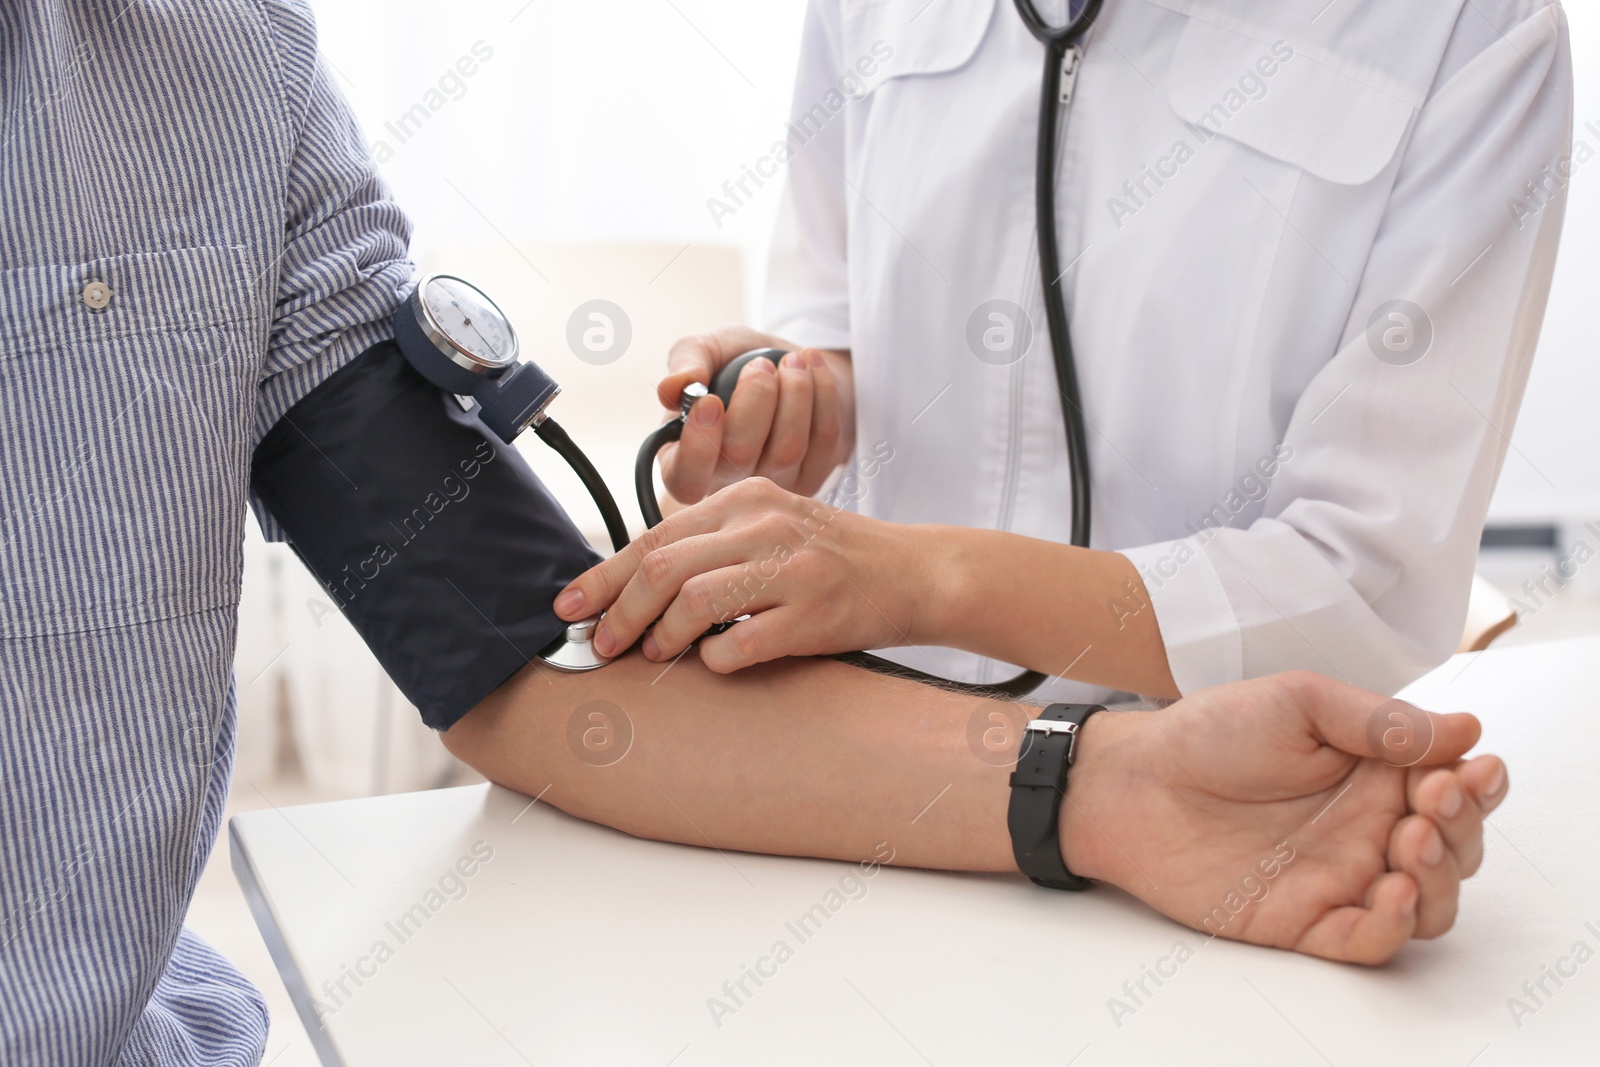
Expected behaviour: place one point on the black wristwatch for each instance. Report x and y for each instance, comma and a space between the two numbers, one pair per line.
1038, 788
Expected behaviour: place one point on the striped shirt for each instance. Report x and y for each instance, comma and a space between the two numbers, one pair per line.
192, 237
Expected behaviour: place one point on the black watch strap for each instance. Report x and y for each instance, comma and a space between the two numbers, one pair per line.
1038, 787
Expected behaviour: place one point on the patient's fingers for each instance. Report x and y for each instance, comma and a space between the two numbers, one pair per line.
1486, 780
1439, 796
1458, 800
1417, 848
1370, 935
1342, 716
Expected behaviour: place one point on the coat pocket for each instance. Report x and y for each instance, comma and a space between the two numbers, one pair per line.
1288, 99
887, 39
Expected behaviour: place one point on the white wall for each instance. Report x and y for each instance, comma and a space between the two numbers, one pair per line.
587, 124
591, 122
1553, 471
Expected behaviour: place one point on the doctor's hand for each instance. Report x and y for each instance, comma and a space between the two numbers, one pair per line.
792, 424
816, 580
1269, 811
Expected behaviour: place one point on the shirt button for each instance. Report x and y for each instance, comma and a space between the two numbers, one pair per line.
97, 295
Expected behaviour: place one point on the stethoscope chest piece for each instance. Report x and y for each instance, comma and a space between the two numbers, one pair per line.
573, 649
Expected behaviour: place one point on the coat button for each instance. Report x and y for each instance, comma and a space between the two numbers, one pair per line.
97, 295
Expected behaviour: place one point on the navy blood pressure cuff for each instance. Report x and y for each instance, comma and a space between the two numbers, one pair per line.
434, 537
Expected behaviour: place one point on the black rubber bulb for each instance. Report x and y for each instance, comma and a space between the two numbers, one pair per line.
728, 377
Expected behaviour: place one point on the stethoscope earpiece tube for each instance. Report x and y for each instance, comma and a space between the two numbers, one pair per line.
1058, 41
1066, 36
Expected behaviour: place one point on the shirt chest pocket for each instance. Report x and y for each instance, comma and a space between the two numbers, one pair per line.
126, 388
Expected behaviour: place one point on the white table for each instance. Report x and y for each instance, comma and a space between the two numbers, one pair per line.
574, 944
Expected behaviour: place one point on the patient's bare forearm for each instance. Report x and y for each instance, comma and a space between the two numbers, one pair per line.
1277, 777
800, 757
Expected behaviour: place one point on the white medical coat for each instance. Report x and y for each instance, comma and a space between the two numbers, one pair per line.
1308, 250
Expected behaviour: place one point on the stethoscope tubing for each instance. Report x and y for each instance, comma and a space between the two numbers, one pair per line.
1057, 40
1063, 36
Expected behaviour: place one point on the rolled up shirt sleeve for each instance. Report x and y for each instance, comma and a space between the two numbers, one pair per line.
1361, 564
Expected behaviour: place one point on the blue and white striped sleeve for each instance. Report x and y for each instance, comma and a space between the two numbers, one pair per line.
343, 265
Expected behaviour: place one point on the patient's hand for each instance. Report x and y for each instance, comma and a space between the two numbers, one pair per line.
1260, 811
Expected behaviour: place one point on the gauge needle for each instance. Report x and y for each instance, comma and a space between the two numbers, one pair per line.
466, 320
490, 345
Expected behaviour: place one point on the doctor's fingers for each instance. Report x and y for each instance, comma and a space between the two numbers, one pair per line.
750, 419
688, 468
717, 596
765, 636
790, 436
659, 579
1458, 800
597, 588
698, 358
827, 428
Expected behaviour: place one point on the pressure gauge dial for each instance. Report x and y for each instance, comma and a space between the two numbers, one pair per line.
464, 324
459, 340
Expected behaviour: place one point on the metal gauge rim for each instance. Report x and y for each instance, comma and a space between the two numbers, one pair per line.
441, 340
